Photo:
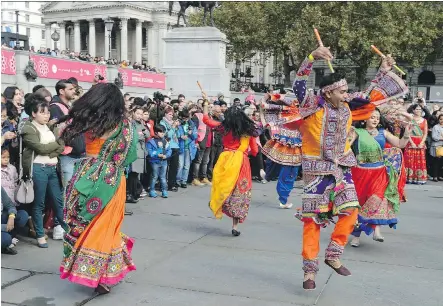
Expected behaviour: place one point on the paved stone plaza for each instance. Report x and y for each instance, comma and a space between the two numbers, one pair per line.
185, 257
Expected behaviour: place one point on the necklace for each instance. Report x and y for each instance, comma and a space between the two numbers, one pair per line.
373, 132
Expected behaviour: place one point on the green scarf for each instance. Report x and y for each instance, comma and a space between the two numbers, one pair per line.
416, 130
369, 151
96, 180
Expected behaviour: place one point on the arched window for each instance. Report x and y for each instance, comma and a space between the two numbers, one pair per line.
426, 78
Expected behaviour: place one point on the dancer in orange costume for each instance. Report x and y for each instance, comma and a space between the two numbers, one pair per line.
327, 156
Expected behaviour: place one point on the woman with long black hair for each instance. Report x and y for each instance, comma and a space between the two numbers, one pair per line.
96, 253
231, 180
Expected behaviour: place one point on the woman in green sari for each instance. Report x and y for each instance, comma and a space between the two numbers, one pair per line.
376, 176
96, 253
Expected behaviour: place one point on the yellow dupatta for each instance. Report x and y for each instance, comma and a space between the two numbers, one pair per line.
225, 176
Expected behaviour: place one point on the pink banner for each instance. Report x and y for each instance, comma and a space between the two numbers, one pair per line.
55, 68
8, 62
138, 78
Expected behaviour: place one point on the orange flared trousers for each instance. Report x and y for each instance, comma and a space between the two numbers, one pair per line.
311, 234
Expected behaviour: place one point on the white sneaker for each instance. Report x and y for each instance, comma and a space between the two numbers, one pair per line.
58, 233
262, 174
15, 241
286, 206
355, 242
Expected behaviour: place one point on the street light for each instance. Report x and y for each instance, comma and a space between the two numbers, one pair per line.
55, 37
17, 40
109, 23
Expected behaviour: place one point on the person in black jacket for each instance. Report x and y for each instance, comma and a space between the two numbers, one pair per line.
59, 108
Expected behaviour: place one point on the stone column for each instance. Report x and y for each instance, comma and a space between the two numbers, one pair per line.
162, 30
48, 35
91, 36
62, 26
151, 44
77, 44
138, 41
124, 39
106, 42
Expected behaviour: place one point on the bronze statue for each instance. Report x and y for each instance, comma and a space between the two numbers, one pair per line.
30, 73
119, 81
207, 5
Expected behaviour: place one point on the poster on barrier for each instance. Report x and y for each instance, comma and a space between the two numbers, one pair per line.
139, 78
8, 62
56, 68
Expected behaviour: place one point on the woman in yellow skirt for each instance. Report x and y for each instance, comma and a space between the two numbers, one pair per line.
231, 182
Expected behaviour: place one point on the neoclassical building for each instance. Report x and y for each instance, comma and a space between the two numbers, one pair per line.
137, 34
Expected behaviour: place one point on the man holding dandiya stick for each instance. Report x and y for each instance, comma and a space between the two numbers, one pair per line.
327, 156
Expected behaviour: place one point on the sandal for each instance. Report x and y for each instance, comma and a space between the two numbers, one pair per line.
102, 289
235, 233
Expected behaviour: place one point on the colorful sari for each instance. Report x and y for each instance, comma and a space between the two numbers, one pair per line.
415, 158
95, 251
376, 179
231, 183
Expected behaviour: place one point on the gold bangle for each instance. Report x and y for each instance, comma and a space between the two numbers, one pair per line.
11, 216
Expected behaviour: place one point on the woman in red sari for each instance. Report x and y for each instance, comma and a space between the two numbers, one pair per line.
231, 179
415, 151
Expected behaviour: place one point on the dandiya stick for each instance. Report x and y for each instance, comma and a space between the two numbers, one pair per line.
375, 49
201, 89
317, 35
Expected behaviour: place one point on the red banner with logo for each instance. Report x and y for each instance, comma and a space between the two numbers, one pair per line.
55, 68
8, 62
139, 78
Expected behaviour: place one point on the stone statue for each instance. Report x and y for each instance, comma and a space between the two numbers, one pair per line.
207, 5
30, 73
119, 81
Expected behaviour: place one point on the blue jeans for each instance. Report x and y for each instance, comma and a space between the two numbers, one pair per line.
286, 179
159, 172
21, 218
67, 164
45, 177
184, 163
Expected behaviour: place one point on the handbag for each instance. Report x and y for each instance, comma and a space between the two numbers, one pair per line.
25, 191
439, 151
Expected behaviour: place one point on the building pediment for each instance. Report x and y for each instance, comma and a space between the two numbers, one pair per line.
55, 7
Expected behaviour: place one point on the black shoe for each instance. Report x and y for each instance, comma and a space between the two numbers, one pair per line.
175, 189
435, 179
309, 284
235, 233
184, 185
130, 199
128, 213
9, 251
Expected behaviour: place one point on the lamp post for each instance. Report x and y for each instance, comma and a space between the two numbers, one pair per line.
109, 23
55, 37
17, 40
410, 74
